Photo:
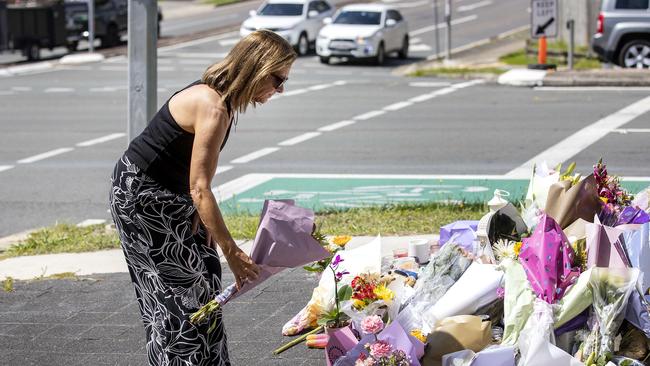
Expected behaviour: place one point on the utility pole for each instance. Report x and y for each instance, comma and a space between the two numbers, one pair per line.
91, 26
142, 54
448, 21
437, 29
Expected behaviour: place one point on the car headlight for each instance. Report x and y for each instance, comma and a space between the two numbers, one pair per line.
364, 40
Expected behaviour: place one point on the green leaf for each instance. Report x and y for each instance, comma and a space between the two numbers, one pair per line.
570, 169
345, 293
313, 268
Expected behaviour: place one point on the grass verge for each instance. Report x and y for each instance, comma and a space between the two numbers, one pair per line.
398, 219
458, 71
221, 2
521, 58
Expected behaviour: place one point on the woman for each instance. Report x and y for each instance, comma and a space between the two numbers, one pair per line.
164, 210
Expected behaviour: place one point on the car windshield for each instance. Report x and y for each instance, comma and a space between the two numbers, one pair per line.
358, 17
281, 10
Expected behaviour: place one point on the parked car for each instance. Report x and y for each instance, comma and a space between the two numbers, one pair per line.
111, 21
298, 21
623, 34
364, 31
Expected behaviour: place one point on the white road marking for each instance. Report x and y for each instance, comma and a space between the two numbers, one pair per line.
311, 88
113, 68
397, 106
414, 40
5, 167
336, 126
470, 7
103, 89
483, 41
419, 48
292, 92
300, 138
21, 88
443, 25
429, 84
229, 42
45, 155
100, 140
584, 138
59, 90
255, 155
592, 88
91, 222
223, 169
197, 41
194, 62
625, 131
368, 115
413, 4
228, 190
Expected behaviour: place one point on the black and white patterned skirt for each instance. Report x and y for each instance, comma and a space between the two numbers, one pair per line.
173, 272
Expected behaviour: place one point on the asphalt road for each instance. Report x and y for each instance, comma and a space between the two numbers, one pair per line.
396, 125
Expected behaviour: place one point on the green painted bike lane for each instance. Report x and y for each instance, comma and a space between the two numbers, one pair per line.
326, 193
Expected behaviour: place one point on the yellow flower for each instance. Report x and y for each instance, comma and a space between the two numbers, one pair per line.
517, 248
341, 240
417, 333
604, 199
358, 304
383, 293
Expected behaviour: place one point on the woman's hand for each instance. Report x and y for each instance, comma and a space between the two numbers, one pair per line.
241, 265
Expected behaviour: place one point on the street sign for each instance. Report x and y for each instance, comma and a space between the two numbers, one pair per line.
544, 18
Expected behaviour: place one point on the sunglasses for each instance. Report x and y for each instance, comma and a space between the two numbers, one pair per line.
278, 81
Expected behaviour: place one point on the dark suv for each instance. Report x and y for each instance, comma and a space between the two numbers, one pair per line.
111, 20
623, 35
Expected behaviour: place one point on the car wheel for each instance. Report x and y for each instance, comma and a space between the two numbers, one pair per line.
381, 54
404, 51
32, 51
112, 37
325, 60
635, 54
303, 44
72, 46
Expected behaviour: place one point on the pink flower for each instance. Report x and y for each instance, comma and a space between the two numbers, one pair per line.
372, 324
501, 292
381, 349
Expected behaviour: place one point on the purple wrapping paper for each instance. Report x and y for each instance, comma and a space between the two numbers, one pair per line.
576, 323
395, 334
547, 258
637, 312
632, 215
340, 342
465, 232
283, 240
605, 246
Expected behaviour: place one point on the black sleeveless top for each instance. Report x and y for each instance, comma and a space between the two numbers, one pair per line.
164, 150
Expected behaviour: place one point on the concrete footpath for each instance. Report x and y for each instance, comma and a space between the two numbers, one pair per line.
93, 319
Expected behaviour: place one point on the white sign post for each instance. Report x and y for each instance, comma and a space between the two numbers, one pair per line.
544, 18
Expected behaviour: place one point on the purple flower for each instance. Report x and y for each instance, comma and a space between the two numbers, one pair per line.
336, 261
339, 275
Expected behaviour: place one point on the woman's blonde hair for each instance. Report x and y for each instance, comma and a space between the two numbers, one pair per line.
238, 77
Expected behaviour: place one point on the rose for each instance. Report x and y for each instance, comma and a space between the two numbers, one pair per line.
372, 324
381, 349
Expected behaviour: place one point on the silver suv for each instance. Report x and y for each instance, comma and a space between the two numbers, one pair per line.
623, 35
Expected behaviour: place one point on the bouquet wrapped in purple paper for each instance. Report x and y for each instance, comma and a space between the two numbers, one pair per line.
547, 258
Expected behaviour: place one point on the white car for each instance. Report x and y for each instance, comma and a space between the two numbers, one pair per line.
297, 21
364, 31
